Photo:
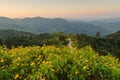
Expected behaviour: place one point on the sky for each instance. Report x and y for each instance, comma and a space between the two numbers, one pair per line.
60, 8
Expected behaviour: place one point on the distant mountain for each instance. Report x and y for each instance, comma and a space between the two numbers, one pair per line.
13, 33
48, 25
112, 25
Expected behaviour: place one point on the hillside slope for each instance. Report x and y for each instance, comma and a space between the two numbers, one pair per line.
115, 35
13, 33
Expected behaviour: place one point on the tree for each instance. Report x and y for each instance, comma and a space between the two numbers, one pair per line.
1, 41
97, 34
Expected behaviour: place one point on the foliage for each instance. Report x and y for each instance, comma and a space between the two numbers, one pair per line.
102, 45
114, 35
53, 63
97, 34
4, 34
57, 39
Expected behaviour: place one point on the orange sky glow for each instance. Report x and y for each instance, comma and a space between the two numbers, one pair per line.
60, 8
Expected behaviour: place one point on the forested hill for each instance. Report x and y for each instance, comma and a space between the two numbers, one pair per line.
114, 35
4, 34
102, 45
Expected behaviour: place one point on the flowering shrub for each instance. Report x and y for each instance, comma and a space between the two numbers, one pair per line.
51, 63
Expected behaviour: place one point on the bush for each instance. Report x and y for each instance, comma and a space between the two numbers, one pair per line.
51, 63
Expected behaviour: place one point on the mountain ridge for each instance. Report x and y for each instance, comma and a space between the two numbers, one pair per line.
48, 25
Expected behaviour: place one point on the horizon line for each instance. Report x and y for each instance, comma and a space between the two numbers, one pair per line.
73, 18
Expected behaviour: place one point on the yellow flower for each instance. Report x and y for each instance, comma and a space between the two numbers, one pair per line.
48, 62
22, 64
16, 76
93, 56
18, 58
43, 79
32, 64
18, 64
2, 60
52, 69
86, 60
38, 63
38, 58
84, 67
110, 64
76, 72
3, 67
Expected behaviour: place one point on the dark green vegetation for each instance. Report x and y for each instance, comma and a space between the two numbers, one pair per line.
114, 36
4, 34
18, 38
103, 45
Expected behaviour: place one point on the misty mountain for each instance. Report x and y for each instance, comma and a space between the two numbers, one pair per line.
48, 25
112, 25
